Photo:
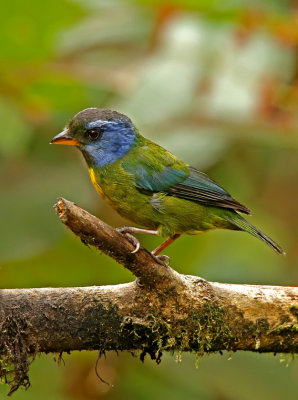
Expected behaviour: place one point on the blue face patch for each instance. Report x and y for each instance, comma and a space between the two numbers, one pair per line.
117, 138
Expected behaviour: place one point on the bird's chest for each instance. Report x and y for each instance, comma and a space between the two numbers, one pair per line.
119, 190
115, 187
96, 183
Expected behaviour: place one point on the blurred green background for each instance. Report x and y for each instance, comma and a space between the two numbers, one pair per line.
216, 83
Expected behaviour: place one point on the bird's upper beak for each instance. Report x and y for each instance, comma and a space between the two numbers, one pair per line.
64, 138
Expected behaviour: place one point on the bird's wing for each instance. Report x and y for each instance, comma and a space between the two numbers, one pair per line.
154, 169
200, 188
157, 171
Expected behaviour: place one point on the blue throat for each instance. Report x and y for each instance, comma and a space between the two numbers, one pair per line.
117, 139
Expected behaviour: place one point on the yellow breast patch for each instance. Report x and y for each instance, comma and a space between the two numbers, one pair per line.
96, 185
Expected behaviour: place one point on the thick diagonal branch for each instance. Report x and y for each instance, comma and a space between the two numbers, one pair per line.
95, 232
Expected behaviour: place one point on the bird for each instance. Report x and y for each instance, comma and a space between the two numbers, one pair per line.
150, 186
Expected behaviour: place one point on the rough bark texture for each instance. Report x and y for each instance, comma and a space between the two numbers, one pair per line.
166, 312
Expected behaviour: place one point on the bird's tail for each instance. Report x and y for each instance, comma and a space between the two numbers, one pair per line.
243, 225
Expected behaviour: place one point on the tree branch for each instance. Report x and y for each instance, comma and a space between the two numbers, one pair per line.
94, 232
167, 312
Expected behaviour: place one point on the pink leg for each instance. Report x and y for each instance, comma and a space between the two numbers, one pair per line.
165, 244
132, 229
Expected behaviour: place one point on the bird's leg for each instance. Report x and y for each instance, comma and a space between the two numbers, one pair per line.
165, 244
162, 246
128, 230
133, 229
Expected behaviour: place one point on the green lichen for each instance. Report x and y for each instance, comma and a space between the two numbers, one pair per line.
294, 310
285, 329
287, 359
204, 330
285, 336
15, 354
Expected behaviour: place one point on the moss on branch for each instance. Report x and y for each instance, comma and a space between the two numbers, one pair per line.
168, 312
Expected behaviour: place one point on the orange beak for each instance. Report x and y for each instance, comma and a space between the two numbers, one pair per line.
64, 138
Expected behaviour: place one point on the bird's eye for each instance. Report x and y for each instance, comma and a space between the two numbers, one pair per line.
94, 134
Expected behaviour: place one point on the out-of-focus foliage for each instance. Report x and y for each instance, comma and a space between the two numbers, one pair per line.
216, 82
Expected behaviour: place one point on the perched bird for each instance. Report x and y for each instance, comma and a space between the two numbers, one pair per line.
150, 186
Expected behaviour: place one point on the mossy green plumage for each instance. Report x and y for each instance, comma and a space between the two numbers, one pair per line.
147, 184
168, 214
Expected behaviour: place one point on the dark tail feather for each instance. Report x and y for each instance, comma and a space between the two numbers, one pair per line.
244, 225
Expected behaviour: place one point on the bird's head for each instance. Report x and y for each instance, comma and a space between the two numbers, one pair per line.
102, 135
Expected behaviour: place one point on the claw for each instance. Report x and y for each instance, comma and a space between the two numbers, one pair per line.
162, 259
139, 283
134, 241
125, 231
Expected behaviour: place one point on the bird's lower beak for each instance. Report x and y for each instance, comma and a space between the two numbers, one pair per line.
64, 138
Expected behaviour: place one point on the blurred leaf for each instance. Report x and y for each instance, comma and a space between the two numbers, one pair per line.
64, 93
106, 26
201, 148
29, 36
15, 132
29, 225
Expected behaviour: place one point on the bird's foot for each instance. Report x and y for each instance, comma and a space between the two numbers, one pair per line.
125, 230
139, 283
162, 259
129, 230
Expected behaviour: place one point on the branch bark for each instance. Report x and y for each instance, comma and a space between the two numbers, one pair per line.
168, 311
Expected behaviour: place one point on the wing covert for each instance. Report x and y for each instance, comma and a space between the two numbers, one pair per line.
200, 188
157, 170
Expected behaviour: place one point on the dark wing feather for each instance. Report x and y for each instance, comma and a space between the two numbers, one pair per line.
157, 171
200, 188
